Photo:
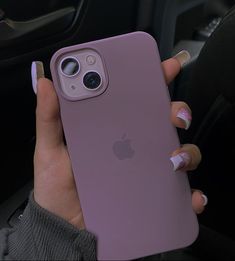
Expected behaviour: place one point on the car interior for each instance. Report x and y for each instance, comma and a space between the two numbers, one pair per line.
34, 30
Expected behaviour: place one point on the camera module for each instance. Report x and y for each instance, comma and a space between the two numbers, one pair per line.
92, 80
70, 66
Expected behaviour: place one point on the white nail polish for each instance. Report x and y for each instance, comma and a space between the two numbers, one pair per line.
181, 160
178, 162
183, 57
205, 198
184, 115
37, 72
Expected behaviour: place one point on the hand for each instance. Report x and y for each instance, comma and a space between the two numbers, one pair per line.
54, 186
188, 156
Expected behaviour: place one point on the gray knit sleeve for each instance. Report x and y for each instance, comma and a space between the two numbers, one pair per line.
41, 235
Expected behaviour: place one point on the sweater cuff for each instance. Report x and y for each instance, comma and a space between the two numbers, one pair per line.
48, 236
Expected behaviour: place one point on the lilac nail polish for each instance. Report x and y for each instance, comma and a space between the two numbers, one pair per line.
34, 76
180, 161
37, 72
184, 115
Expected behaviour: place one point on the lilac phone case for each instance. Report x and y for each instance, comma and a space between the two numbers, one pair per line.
120, 143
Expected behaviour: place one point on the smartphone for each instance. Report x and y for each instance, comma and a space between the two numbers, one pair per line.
115, 109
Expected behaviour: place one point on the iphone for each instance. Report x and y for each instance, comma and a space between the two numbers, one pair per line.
115, 109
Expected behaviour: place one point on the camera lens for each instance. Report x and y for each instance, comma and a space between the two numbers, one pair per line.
70, 66
92, 80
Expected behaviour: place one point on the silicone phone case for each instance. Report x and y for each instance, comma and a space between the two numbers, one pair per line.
135, 205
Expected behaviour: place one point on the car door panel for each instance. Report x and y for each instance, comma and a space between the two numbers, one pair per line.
92, 20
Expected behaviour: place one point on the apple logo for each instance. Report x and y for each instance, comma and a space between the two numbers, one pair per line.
122, 148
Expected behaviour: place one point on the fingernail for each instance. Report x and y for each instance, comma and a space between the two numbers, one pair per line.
185, 115
37, 72
183, 57
180, 161
205, 198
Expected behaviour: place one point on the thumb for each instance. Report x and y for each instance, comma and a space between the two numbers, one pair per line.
49, 132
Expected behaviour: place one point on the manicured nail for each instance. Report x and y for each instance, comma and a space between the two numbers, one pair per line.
183, 57
180, 161
205, 198
184, 115
37, 72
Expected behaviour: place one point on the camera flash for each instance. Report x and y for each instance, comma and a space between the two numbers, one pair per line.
90, 59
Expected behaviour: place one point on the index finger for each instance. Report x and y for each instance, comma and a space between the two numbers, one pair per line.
171, 67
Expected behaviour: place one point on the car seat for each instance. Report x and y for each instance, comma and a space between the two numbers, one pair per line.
211, 96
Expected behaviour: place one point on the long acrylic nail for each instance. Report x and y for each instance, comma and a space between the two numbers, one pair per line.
184, 115
180, 161
183, 57
37, 72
